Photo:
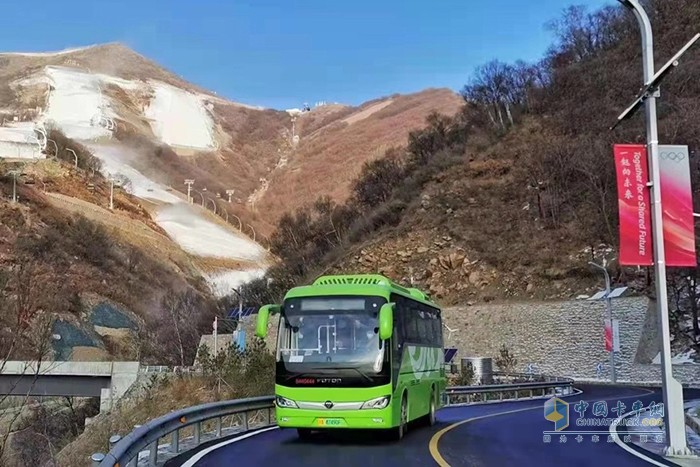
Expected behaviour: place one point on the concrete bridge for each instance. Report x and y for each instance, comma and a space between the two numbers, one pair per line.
107, 380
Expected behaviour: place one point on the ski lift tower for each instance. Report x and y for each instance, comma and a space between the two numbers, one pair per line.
189, 182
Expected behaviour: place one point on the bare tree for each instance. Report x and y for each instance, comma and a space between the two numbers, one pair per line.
25, 329
181, 310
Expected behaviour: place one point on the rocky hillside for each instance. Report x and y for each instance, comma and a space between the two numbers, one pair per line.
345, 138
82, 282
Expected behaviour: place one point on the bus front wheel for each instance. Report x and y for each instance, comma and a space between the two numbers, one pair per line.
400, 430
431, 413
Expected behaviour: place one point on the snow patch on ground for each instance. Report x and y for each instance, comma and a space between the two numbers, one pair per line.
221, 283
201, 237
48, 54
185, 225
74, 103
680, 359
179, 118
115, 163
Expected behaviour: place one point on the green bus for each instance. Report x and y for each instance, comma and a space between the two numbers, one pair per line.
356, 351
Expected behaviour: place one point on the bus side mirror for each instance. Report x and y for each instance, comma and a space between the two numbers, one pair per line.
264, 318
386, 321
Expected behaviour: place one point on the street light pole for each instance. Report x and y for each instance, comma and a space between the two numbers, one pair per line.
674, 417
216, 335
240, 224
214, 204
111, 193
55, 154
75, 156
608, 309
14, 187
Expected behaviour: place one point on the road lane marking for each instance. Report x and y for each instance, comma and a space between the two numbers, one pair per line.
433, 444
197, 457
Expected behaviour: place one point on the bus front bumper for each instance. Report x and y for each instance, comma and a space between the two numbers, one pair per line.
329, 419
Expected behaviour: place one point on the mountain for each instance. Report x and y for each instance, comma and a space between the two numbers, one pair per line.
146, 130
513, 196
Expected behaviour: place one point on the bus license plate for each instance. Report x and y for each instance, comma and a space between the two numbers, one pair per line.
330, 422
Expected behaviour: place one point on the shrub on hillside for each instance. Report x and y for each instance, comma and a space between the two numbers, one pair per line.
240, 373
378, 179
86, 160
7, 95
90, 241
505, 361
48, 428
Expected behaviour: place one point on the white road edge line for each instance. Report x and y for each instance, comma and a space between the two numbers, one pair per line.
197, 457
616, 438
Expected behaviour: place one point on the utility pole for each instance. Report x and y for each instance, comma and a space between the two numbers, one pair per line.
608, 309
189, 182
674, 417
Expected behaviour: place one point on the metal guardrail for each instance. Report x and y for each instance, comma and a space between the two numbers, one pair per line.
124, 452
515, 387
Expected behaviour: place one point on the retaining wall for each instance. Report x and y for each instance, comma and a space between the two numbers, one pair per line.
565, 338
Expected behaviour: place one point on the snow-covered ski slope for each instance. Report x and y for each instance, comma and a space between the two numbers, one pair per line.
74, 103
202, 237
178, 117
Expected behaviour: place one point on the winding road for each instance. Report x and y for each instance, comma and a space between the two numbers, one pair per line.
500, 434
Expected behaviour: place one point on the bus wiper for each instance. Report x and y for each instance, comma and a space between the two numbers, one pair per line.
363, 374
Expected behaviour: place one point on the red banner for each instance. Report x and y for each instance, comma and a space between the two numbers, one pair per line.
634, 206
677, 204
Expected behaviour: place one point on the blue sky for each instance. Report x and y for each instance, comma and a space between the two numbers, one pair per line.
279, 53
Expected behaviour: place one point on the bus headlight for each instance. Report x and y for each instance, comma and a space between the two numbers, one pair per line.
286, 403
378, 403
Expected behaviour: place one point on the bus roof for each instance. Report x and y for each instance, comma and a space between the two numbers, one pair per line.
358, 284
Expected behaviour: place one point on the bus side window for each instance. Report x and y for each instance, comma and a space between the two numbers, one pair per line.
398, 336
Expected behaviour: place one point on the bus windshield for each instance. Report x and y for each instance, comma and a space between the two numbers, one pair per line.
331, 332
